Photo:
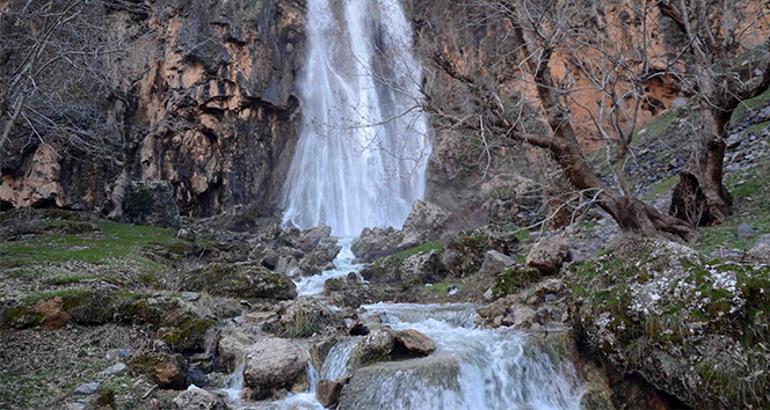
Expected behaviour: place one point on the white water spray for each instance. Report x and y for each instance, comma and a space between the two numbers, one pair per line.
364, 144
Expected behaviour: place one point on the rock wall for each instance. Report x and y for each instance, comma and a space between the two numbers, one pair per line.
209, 107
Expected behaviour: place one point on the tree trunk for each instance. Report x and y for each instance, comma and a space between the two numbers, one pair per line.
633, 215
113, 209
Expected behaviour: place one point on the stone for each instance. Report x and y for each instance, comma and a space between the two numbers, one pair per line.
86, 389
364, 391
273, 363
761, 250
420, 269
548, 255
190, 296
166, 370
424, 223
198, 399
116, 369
744, 231
494, 263
413, 343
328, 391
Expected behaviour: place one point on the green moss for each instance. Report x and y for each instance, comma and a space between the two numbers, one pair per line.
657, 127
442, 288
187, 334
750, 104
418, 250
513, 279
661, 187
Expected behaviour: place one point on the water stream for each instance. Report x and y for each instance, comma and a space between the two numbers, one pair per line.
361, 162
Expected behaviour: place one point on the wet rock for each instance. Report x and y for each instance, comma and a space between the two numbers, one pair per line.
548, 255
86, 389
151, 203
494, 263
744, 231
274, 363
232, 347
240, 281
166, 370
387, 344
413, 343
364, 390
328, 391
359, 329
199, 399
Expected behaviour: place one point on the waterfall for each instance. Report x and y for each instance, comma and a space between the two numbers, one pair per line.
364, 144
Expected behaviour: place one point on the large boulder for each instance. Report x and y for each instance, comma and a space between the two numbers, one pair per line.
548, 254
424, 223
438, 374
694, 329
494, 263
328, 391
347, 291
151, 203
272, 364
465, 251
240, 281
374, 243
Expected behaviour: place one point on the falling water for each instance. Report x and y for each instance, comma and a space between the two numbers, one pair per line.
364, 143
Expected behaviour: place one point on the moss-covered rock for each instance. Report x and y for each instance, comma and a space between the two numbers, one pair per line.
696, 329
166, 370
240, 281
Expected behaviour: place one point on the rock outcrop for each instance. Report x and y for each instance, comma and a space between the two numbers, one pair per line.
690, 327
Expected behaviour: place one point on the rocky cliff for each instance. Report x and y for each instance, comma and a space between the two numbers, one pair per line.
201, 95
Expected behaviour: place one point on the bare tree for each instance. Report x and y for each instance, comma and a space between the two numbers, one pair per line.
716, 34
602, 78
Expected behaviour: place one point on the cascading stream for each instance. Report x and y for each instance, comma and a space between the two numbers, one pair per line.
364, 144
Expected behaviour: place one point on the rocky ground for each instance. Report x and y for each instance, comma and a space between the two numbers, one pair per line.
98, 314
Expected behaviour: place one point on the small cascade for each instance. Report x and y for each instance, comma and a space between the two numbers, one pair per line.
343, 265
337, 363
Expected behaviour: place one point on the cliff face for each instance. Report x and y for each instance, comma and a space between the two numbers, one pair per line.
207, 104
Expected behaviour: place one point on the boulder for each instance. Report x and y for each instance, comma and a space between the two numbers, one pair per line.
166, 370
424, 223
413, 343
421, 268
328, 391
761, 250
744, 231
239, 281
693, 328
198, 399
151, 203
387, 344
548, 254
232, 346
434, 373
374, 243
304, 318
273, 363
494, 263
348, 292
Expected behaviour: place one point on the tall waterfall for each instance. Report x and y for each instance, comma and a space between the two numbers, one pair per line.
364, 143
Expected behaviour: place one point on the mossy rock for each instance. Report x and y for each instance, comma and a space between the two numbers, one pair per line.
166, 370
240, 281
694, 328
514, 279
